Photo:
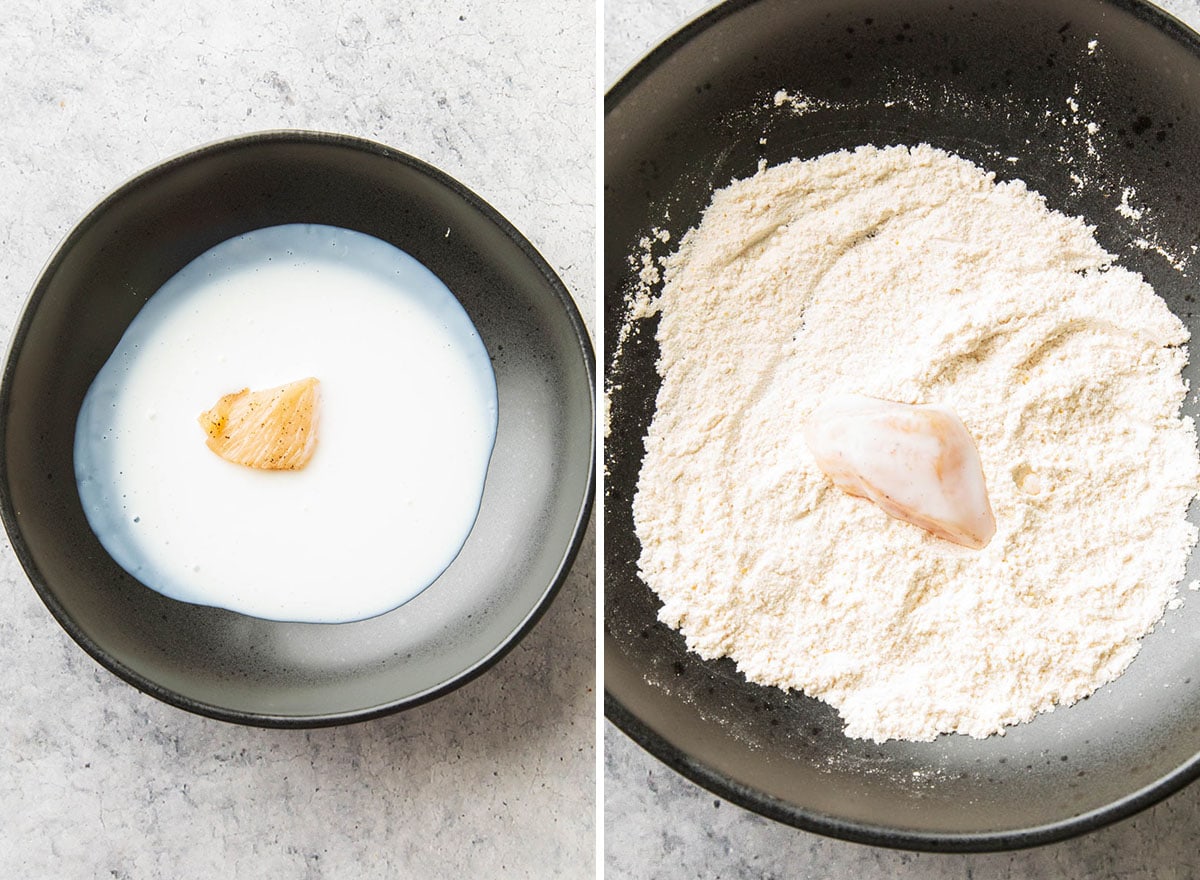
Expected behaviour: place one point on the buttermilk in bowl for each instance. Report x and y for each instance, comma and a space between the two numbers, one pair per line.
296, 426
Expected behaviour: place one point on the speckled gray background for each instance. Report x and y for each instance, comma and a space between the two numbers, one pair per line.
494, 780
659, 825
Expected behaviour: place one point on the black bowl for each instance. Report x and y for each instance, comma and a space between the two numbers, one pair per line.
539, 486
988, 81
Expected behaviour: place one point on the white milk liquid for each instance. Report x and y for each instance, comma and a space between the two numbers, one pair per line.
407, 425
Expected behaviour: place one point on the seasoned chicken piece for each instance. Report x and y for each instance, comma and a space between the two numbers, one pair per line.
275, 429
918, 463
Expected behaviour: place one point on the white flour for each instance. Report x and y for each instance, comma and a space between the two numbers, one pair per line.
910, 275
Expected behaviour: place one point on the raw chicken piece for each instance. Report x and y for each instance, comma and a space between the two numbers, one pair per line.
275, 429
918, 463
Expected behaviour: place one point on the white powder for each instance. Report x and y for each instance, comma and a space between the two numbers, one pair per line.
910, 275
1125, 209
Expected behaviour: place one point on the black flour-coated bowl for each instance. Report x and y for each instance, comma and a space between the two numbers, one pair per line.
1092, 104
539, 486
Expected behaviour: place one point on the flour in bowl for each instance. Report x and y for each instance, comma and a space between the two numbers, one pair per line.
908, 274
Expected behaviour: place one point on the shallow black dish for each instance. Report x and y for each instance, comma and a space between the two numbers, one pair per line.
993, 82
536, 500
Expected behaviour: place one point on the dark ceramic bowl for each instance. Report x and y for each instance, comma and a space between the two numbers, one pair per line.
994, 82
539, 486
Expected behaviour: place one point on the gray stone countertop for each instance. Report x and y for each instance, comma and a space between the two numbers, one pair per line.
659, 825
495, 779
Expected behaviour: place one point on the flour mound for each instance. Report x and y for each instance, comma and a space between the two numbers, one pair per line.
908, 274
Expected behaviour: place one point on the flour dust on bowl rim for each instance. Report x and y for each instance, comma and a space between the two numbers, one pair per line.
537, 493
1092, 105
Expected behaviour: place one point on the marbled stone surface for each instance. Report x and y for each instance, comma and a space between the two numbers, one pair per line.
495, 779
659, 825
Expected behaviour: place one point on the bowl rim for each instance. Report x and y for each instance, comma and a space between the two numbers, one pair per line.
747, 797
10, 518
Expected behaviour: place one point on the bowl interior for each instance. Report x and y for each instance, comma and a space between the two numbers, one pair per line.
997, 84
537, 494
